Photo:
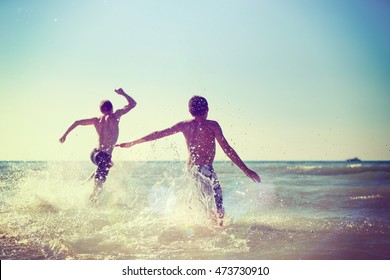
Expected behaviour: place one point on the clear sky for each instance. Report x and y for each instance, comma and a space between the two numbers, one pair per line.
287, 80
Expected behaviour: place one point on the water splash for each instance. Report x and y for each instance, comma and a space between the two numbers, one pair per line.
153, 211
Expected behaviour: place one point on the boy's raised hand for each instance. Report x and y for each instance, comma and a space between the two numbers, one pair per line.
120, 91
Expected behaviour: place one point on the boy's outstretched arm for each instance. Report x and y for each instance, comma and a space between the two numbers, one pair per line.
76, 124
153, 136
131, 103
231, 153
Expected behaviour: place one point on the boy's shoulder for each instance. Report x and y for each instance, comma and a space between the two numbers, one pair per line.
212, 123
192, 121
209, 124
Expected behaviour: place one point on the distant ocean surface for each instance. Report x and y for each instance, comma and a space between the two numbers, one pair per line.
149, 210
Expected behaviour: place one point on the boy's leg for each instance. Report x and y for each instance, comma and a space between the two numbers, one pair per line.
209, 181
218, 200
103, 161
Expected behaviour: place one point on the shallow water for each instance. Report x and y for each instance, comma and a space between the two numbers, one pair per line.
151, 210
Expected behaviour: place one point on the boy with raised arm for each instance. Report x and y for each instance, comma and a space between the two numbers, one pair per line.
200, 135
107, 128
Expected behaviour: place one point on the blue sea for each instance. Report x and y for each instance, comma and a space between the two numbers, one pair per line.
149, 210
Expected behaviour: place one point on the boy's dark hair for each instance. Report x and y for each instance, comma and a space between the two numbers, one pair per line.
105, 106
198, 106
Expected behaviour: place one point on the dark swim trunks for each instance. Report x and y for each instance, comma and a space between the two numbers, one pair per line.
210, 185
103, 162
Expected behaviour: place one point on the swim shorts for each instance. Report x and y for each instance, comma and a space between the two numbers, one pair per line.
209, 185
103, 162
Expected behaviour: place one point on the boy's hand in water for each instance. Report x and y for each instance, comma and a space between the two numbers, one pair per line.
253, 175
120, 91
125, 145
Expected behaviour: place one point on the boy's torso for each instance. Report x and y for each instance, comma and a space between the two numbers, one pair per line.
200, 139
107, 128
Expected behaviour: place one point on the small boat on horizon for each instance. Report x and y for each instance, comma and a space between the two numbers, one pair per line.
355, 159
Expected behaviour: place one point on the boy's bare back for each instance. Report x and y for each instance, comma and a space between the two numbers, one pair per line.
200, 138
107, 127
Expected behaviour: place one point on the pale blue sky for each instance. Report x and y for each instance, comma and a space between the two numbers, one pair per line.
287, 80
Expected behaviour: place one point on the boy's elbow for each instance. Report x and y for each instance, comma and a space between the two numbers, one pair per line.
131, 105
128, 108
228, 150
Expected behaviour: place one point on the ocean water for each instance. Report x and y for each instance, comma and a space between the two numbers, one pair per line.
151, 210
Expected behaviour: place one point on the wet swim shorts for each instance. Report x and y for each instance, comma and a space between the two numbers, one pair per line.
210, 185
103, 162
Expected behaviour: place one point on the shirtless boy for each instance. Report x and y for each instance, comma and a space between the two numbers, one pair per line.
200, 134
107, 128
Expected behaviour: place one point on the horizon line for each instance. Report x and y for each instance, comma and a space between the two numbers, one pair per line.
215, 161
